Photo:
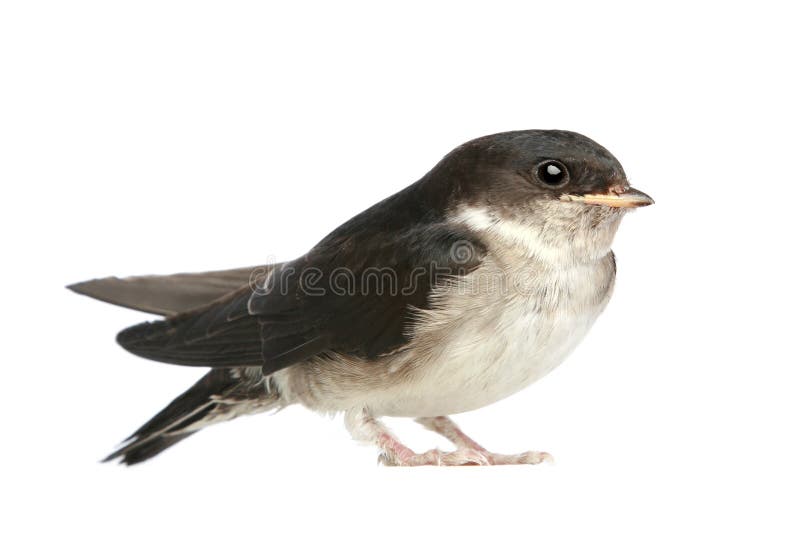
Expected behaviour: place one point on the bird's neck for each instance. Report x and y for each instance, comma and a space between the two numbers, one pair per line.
558, 238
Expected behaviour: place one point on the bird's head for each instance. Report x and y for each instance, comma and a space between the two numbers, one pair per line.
558, 193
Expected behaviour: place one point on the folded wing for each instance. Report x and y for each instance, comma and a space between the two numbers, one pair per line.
353, 294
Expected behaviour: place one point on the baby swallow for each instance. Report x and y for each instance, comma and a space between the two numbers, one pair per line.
454, 293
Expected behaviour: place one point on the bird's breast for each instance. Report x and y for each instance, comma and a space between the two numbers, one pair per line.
486, 340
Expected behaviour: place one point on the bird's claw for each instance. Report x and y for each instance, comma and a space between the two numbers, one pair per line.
434, 457
525, 458
463, 457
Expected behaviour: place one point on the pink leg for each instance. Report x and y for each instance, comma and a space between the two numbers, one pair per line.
447, 428
364, 427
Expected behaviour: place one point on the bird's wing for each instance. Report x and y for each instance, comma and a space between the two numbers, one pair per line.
167, 294
218, 334
352, 294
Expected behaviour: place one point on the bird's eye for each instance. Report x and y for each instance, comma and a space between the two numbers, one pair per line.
552, 173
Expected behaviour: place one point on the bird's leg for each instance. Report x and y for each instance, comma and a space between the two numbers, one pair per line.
444, 426
363, 426
447, 428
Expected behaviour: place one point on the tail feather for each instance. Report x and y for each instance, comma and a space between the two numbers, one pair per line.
140, 451
221, 395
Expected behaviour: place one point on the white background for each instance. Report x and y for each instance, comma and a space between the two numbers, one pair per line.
153, 137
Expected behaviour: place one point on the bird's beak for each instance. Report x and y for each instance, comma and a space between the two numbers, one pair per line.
629, 198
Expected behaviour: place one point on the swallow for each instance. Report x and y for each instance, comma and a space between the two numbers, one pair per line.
452, 294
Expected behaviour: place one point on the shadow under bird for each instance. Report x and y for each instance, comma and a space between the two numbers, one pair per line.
460, 290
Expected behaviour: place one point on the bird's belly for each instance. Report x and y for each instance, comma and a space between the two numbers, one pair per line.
469, 351
476, 367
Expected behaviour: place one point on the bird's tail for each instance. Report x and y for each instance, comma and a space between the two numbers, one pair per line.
220, 395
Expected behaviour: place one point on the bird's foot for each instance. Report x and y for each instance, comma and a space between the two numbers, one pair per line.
433, 457
396, 454
446, 427
525, 458
365, 427
463, 457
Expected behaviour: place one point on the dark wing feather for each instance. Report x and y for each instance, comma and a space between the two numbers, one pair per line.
303, 310
388, 274
167, 294
295, 317
219, 334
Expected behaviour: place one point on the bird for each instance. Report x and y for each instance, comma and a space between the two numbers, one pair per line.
456, 292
